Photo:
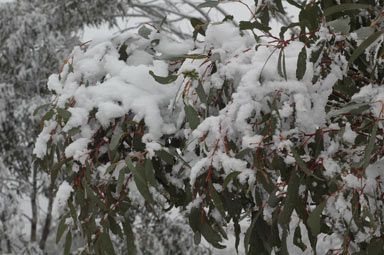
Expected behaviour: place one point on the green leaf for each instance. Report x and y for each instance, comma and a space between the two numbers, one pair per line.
303, 165
314, 218
115, 228
115, 141
49, 115
197, 238
130, 238
145, 32
36, 111
247, 25
93, 197
201, 93
229, 178
364, 45
247, 236
341, 25
61, 228
149, 173
315, 54
216, 199
345, 7
140, 180
106, 243
163, 80
352, 108
166, 157
120, 181
209, 233
369, 148
68, 243
301, 64
64, 113
110, 169
291, 198
209, 4
74, 131
192, 117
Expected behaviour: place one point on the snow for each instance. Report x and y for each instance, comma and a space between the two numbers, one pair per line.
62, 195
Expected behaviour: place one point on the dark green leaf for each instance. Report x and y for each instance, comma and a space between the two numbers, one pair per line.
303, 165
369, 148
352, 108
364, 45
301, 64
164, 80
115, 141
216, 199
74, 131
93, 197
130, 238
314, 218
166, 157
144, 32
197, 238
192, 117
201, 93
49, 115
247, 25
110, 169
36, 111
68, 243
317, 52
229, 178
106, 243
64, 113
120, 181
291, 198
345, 7
210, 4
149, 173
140, 181
61, 228
247, 236
115, 228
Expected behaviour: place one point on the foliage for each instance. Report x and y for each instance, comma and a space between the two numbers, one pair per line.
281, 133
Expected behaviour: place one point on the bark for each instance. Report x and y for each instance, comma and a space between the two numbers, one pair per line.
48, 221
34, 206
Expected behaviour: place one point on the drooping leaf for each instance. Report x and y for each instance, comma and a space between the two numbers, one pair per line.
120, 181
369, 148
291, 198
163, 80
68, 243
166, 157
201, 93
61, 228
364, 45
192, 117
36, 111
247, 236
301, 64
229, 178
351, 108
247, 25
106, 243
216, 199
130, 238
315, 217
209, 4
345, 7
303, 165
149, 173
115, 141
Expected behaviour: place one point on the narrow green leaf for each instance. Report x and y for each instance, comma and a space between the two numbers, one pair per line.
247, 236
301, 64
279, 66
303, 166
345, 7
192, 117
36, 111
314, 218
49, 115
115, 141
64, 113
110, 169
141, 182
201, 93
166, 157
369, 148
163, 80
115, 227
68, 243
197, 238
291, 198
149, 173
74, 131
352, 108
209, 4
247, 25
120, 181
364, 45
93, 197
61, 228
216, 199
229, 178
130, 238
106, 243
